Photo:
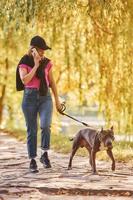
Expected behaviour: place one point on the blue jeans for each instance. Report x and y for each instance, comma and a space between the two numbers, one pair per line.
32, 105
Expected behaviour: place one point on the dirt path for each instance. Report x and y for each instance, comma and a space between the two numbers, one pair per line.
58, 183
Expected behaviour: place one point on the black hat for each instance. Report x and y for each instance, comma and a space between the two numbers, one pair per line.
39, 42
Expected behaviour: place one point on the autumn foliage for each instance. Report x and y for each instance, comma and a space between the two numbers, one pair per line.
92, 53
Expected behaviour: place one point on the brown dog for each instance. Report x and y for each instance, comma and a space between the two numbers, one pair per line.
93, 140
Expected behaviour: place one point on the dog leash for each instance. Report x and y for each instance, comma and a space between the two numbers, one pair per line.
63, 113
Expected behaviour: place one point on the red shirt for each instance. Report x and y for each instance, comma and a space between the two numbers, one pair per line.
35, 82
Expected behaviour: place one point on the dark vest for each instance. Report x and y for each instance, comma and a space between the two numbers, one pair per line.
40, 73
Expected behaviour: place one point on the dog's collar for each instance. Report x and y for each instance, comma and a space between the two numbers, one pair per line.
98, 141
98, 135
101, 147
97, 138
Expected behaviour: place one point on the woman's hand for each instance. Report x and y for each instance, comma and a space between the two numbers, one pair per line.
59, 106
36, 57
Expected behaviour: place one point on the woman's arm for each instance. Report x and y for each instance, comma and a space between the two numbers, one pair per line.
26, 77
54, 90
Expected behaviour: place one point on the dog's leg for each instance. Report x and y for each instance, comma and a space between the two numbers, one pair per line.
110, 154
71, 157
93, 158
90, 160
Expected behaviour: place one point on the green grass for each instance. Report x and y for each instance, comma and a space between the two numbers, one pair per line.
123, 151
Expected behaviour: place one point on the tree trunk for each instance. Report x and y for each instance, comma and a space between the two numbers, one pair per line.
3, 90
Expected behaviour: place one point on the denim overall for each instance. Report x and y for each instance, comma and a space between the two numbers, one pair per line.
32, 105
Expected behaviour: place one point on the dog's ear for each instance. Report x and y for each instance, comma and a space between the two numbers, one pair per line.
112, 128
101, 129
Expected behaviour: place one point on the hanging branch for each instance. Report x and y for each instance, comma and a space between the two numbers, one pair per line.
3, 89
98, 26
60, 74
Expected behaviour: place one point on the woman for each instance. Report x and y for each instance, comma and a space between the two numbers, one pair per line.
34, 75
